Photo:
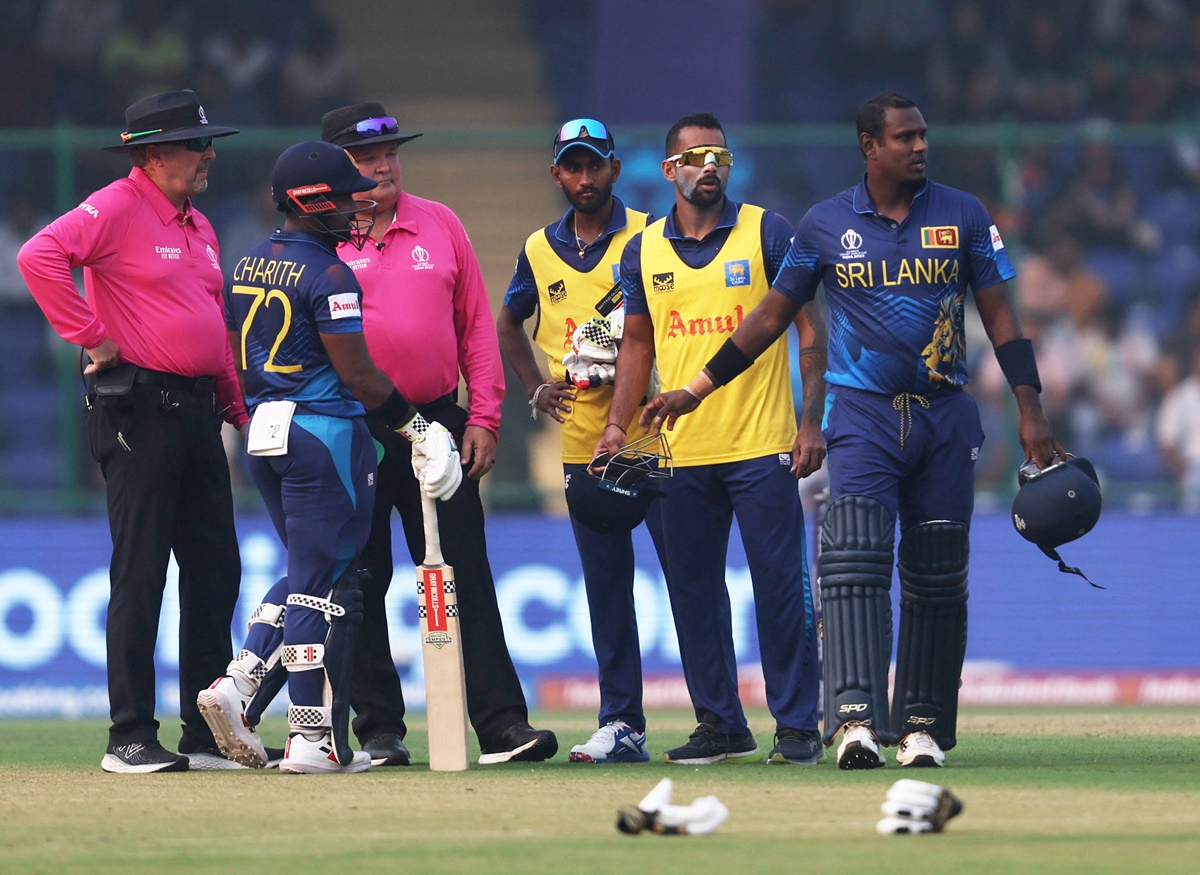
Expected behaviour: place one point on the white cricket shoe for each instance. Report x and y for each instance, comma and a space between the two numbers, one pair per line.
860, 748
919, 750
304, 757
616, 742
223, 706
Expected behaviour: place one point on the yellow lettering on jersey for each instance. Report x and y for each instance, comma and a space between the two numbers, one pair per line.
855, 273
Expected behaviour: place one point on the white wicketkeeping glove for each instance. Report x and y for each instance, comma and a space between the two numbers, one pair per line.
435, 459
595, 341
586, 374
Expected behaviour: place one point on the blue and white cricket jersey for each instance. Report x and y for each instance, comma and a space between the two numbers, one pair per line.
280, 298
896, 290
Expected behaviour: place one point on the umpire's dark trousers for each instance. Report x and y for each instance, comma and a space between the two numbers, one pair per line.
167, 484
495, 699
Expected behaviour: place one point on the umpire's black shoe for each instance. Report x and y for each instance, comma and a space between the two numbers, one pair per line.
800, 747
142, 756
387, 749
520, 743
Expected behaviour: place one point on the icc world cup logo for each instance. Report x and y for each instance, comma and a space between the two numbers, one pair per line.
851, 239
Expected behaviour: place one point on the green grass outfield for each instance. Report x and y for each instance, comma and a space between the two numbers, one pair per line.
1045, 791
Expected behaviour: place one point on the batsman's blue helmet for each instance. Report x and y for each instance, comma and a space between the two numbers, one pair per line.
618, 498
1056, 505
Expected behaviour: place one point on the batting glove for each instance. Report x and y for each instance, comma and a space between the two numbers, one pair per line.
586, 374
435, 459
595, 341
915, 807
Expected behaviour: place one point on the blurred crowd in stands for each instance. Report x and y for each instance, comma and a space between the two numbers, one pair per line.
1103, 220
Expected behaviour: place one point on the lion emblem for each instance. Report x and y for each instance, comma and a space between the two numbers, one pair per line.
948, 345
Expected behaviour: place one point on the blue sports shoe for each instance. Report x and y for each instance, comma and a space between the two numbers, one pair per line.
616, 742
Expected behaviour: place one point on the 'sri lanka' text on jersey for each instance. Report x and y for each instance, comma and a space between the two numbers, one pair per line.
896, 290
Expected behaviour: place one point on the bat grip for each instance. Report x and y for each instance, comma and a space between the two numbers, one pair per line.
433, 541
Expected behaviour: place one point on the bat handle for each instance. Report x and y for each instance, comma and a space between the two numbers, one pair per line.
433, 541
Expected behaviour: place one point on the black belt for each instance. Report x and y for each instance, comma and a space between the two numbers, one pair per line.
175, 382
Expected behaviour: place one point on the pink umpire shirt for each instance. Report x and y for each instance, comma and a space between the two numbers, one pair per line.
425, 310
152, 277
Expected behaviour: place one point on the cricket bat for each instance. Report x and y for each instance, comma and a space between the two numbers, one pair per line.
441, 648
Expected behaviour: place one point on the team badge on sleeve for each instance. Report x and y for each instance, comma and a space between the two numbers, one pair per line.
939, 237
344, 305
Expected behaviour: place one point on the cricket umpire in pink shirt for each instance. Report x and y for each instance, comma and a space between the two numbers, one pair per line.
426, 318
160, 379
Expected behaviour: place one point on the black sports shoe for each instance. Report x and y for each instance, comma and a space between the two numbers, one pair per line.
387, 749
801, 747
142, 756
520, 743
708, 745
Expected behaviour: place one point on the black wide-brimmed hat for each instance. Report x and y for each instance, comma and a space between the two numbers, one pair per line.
362, 124
170, 117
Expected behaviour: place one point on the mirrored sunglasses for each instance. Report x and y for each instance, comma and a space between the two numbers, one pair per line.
582, 127
375, 127
698, 156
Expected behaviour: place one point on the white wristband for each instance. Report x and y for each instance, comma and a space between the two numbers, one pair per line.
534, 399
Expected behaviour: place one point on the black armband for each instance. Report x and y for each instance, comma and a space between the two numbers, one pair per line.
1018, 364
395, 411
728, 363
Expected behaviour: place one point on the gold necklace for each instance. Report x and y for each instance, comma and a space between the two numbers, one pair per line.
575, 230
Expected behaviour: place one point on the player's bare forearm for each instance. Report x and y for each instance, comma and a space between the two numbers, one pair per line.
1034, 432
808, 451
555, 399
814, 339
765, 324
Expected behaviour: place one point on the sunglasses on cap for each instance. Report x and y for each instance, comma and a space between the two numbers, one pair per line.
374, 127
698, 156
582, 127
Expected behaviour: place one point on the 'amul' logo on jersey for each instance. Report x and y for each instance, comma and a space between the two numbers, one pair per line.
557, 292
725, 323
663, 282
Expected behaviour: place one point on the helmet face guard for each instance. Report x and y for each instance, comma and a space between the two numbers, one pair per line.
618, 499
312, 202
1056, 505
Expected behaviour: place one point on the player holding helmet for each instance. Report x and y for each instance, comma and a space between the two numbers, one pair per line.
566, 276
896, 255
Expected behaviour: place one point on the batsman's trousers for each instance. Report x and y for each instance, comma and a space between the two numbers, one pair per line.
320, 499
